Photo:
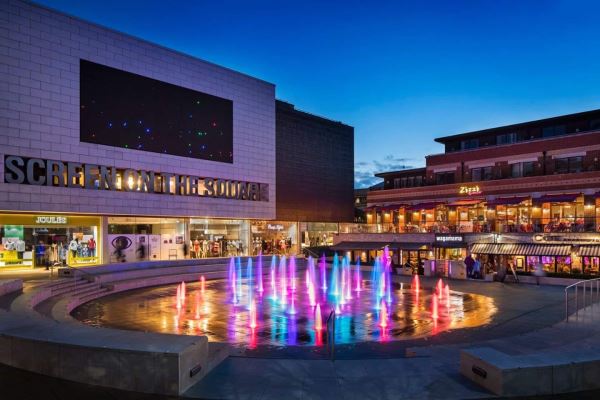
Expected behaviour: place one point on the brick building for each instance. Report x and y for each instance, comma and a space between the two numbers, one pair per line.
535, 184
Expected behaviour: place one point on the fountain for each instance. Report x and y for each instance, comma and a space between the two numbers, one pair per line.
416, 284
283, 280
440, 288
335, 290
383, 315
323, 268
434, 307
358, 276
252, 315
202, 284
259, 274
238, 279
292, 265
318, 318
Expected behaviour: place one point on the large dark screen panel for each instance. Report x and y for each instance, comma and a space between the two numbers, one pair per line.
122, 109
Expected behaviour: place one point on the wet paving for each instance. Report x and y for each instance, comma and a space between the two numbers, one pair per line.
291, 322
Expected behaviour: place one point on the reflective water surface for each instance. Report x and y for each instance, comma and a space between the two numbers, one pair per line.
263, 318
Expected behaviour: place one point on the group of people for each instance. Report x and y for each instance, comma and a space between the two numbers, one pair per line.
473, 268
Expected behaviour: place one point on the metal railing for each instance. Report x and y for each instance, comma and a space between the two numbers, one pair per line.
331, 335
590, 294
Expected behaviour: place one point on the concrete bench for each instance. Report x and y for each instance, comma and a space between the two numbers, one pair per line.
10, 286
128, 360
542, 373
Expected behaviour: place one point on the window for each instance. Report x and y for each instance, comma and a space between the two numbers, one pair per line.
481, 174
469, 144
506, 138
521, 169
442, 178
568, 165
595, 124
554, 130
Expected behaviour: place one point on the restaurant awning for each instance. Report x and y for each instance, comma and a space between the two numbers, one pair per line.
506, 201
521, 249
424, 206
558, 198
347, 246
589, 251
391, 207
469, 202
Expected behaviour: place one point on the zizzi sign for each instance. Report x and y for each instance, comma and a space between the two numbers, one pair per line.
469, 190
50, 220
36, 171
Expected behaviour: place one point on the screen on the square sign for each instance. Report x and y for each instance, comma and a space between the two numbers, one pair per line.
131, 111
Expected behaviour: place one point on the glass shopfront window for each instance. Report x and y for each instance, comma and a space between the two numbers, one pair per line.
319, 233
274, 237
218, 237
591, 265
145, 238
44, 240
563, 217
514, 218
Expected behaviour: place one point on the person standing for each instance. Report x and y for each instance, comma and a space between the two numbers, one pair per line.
92, 247
469, 262
73, 246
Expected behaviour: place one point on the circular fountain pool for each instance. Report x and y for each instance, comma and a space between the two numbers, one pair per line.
282, 314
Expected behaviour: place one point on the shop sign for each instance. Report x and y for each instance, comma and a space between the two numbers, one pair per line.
449, 238
51, 220
571, 238
41, 172
469, 190
275, 227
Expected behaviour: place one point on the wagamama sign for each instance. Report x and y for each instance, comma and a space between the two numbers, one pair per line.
36, 171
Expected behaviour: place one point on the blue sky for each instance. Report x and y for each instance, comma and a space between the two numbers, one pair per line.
402, 73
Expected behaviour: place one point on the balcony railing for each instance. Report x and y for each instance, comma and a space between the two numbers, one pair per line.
563, 225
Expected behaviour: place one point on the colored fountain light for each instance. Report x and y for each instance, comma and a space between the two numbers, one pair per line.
252, 315
323, 269
318, 318
383, 315
294, 317
440, 288
259, 274
434, 307
292, 265
416, 284
358, 276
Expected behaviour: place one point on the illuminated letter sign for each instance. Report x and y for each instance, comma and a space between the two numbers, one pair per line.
469, 190
50, 220
35, 171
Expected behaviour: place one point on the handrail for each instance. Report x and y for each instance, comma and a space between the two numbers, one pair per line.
593, 288
331, 335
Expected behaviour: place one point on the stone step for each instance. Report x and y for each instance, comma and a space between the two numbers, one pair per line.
74, 289
63, 283
93, 294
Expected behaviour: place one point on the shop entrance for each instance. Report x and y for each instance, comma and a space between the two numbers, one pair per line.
29, 240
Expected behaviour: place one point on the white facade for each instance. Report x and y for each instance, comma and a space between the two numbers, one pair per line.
40, 51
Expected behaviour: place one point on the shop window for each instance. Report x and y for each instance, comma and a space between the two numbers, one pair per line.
218, 238
145, 238
274, 237
49, 240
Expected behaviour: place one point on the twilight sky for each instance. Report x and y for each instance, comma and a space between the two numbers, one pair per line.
400, 72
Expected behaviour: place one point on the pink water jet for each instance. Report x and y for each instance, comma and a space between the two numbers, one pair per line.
416, 284
440, 288
447, 290
197, 305
383, 315
293, 273
183, 290
434, 307
253, 315
259, 274
202, 284
318, 319
311, 294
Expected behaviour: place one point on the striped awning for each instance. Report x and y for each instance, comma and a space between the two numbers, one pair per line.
424, 206
506, 201
589, 251
522, 249
558, 198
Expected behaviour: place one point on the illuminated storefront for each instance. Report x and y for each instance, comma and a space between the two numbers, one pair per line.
43, 240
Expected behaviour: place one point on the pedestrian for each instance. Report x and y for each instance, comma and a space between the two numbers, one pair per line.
469, 262
538, 272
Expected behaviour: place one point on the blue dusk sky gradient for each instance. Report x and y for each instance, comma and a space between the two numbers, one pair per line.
402, 73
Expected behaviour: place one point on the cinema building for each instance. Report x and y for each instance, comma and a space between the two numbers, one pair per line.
116, 149
515, 195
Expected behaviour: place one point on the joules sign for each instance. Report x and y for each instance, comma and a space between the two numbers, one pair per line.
36, 171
